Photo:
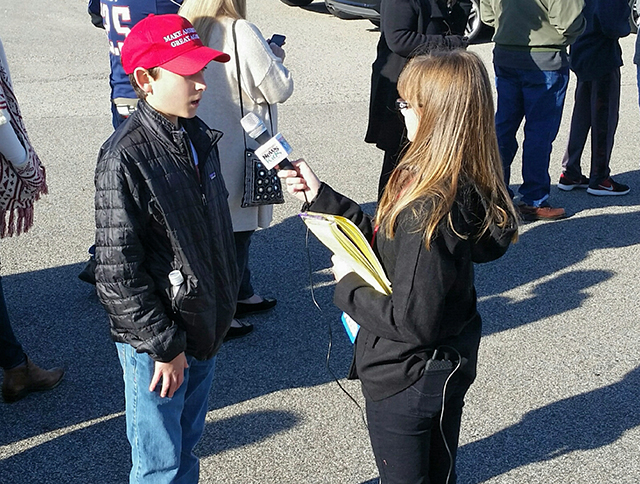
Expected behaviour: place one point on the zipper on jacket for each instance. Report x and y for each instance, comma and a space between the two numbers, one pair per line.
187, 145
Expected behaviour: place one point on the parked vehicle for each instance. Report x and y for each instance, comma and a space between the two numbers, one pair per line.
476, 31
370, 9
351, 9
297, 3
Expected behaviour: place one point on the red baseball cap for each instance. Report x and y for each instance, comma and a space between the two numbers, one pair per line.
167, 41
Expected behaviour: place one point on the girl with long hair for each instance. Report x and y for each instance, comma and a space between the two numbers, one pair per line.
264, 82
444, 209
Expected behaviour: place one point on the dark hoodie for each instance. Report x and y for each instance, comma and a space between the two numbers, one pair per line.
597, 51
434, 298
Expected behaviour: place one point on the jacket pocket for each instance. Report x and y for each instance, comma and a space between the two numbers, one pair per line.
177, 298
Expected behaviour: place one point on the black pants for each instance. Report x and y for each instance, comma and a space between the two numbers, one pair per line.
389, 162
405, 433
243, 241
11, 354
596, 109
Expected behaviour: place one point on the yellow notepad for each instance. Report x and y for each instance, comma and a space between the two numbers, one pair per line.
346, 241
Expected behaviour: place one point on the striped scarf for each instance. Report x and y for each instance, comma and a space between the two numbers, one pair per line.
19, 187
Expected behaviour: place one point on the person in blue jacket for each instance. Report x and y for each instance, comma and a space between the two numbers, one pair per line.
596, 58
117, 17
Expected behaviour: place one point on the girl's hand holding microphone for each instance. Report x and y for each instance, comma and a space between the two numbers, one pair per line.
302, 182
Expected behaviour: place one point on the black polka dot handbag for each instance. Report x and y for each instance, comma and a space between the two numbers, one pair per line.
261, 186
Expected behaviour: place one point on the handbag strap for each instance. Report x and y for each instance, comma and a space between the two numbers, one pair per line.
235, 50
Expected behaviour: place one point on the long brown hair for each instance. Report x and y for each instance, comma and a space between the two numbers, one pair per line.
203, 14
455, 140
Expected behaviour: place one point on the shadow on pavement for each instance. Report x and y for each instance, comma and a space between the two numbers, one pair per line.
586, 421
50, 437
60, 322
100, 453
547, 251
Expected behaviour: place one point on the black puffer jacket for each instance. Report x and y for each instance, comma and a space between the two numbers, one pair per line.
156, 213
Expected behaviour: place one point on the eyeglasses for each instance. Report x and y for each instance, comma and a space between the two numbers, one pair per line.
401, 104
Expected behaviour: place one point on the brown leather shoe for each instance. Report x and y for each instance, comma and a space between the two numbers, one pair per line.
24, 379
543, 212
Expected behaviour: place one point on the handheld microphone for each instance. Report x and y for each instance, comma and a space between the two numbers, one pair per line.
273, 150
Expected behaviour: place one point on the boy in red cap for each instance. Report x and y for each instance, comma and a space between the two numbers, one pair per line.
166, 272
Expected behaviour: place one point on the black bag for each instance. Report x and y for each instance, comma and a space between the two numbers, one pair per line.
261, 186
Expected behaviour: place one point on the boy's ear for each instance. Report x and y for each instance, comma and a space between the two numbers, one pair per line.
143, 79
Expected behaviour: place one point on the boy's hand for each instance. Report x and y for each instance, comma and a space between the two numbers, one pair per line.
171, 373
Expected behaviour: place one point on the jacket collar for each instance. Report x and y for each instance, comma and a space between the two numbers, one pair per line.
202, 137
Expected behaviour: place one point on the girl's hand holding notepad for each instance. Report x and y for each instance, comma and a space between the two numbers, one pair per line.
340, 267
301, 182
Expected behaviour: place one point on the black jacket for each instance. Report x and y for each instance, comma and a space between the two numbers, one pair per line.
433, 301
155, 213
407, 27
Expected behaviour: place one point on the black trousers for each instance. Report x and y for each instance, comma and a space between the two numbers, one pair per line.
11, 354
596, 109
243, 241
406, 437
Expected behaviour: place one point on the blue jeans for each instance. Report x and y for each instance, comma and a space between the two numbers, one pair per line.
163, 431
116, 118
11, 354
538, 96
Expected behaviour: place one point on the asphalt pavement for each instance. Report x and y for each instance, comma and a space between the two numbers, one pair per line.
558, 383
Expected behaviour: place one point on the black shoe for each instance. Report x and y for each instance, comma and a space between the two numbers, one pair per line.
567, 184
238, 331
608, 187
244, 309
88, 274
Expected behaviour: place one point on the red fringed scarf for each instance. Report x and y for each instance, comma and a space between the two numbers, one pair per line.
19, 188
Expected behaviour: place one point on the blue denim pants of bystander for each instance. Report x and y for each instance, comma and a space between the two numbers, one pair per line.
538, 96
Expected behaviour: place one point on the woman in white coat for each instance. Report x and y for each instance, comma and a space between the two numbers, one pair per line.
264, 83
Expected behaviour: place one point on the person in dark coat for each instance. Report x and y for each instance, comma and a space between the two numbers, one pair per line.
445, 208
407, 27
596, 58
